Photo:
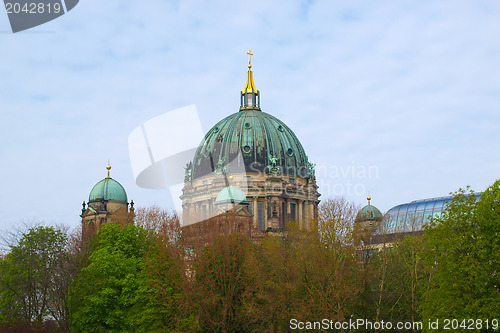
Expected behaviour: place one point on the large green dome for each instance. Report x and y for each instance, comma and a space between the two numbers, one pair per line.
263, 140
108, 189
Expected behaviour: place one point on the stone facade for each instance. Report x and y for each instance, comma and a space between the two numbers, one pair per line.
99, 213
239, 221
273, 199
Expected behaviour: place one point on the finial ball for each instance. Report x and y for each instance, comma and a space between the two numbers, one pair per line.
369, 198
108, 167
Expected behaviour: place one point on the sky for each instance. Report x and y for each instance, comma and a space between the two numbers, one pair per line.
399, 100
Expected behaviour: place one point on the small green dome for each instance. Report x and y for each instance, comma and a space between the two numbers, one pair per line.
108, 189
369, 213
231, 194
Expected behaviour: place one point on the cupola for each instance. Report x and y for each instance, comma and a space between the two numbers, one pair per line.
369, 213
108, 189
250, 96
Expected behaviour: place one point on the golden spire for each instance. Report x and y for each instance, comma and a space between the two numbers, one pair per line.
250, 54
109, 168
250, 86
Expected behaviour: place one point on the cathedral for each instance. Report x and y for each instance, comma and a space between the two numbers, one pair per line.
253, 159
251, 166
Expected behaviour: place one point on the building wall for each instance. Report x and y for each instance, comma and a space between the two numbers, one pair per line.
273, 199
99, 213
197, 235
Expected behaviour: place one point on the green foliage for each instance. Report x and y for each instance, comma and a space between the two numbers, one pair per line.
115, 293
463, 249
411, 278
144, 280
395, 281
166, 279
31, 275
104, 293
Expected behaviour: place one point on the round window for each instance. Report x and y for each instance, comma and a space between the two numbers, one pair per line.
248, 125
247, 149
289, 152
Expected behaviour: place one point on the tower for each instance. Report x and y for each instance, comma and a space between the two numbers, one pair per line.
367, 220
107, 204
260, 155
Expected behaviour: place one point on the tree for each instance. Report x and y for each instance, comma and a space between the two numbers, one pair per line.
394, 282
307, 274
34, 277
336, 220
332, 259
463, 250
105, 295
160, 221
129, 284
276, 275
411, 277
166, 268
166, 276
223, 284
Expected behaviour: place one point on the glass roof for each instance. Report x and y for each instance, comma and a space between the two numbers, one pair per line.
412, 216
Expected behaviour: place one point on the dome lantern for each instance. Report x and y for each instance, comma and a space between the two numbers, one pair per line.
250, 96
264, 143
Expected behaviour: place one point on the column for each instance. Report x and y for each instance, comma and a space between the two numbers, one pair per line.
255, 213
266, 224
299, 214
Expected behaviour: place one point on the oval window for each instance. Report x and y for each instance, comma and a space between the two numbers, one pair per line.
216, 129
247, 149
248, 125
280, 128
289, 152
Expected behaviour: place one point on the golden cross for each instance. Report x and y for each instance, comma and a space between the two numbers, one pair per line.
250, 54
